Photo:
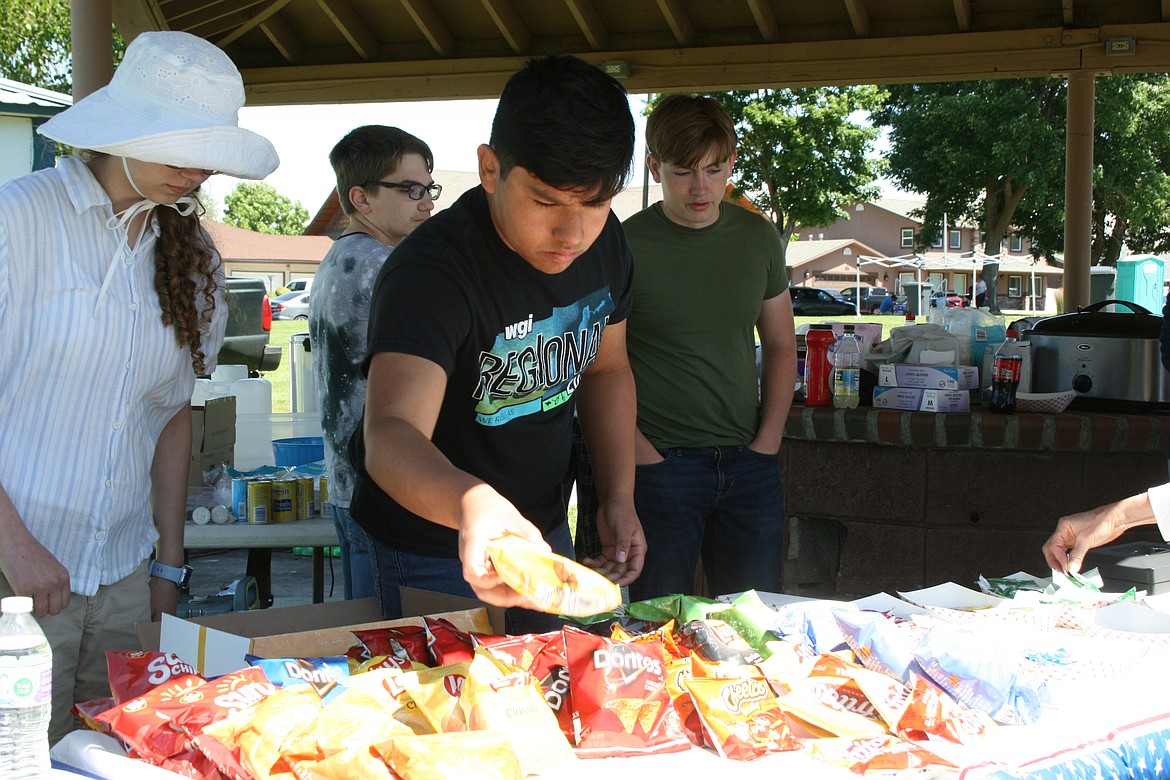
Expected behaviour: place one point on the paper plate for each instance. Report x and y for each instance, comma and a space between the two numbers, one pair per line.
958, 604
1129, 622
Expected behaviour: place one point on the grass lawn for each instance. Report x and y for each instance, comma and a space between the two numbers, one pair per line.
282, 331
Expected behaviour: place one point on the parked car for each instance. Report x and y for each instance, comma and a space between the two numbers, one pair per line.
291, 306
300, 285
946, 298
871, 297
811, 302
249, 325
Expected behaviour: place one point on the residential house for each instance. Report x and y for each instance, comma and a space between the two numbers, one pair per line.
23, 109
275, 259
888, 225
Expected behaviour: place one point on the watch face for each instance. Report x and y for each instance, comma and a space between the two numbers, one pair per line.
185, 577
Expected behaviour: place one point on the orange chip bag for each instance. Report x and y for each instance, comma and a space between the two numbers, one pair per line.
552, 582
87, 712
620, 701
875, 754
931, 710
468, 755
257, 736
500, 697
742, 718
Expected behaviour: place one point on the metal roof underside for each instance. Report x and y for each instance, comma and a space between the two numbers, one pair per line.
330, 51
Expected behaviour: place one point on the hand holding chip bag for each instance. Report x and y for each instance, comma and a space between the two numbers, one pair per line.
551, 582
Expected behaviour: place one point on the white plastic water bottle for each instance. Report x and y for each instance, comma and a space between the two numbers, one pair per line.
847, 371
26, 692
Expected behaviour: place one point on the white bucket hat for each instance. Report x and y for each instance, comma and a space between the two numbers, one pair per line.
174, 100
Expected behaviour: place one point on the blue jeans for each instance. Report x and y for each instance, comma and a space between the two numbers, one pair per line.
396, 568
725, 503
357, 565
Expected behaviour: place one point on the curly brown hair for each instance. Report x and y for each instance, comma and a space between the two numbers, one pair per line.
185, 266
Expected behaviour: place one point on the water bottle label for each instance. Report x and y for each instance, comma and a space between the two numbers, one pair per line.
846, 381
26, 686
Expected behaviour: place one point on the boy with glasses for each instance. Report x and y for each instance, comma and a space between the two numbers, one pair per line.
385, 188
487, 326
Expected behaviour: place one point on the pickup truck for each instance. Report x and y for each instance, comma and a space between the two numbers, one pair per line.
248, 327
871, 297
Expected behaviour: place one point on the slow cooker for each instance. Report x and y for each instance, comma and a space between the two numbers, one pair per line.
1111, 359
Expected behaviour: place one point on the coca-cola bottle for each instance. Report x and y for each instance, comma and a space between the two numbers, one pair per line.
1005, 375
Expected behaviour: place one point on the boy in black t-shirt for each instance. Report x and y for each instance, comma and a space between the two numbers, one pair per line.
488, 324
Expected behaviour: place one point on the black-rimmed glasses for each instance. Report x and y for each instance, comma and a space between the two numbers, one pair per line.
414, 190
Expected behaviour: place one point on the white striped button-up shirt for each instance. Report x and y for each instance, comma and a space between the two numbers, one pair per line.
87, 384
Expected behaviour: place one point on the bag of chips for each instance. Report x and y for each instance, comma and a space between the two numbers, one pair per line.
407, 643
499, 697
435, 692
326, 674
621, 704
552, 583
133, 673
144, 722
467, 755
446, 644
879, 754
741, 717
542, 656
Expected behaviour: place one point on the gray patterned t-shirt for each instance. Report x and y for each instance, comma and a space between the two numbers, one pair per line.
339, 315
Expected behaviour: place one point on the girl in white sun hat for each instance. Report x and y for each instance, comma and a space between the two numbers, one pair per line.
111, 302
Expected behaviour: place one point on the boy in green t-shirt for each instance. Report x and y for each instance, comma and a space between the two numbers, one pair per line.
707, 275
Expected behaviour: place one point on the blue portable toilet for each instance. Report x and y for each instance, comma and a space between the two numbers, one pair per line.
1140, 280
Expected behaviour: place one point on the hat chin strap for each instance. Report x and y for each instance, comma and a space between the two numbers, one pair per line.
120, 223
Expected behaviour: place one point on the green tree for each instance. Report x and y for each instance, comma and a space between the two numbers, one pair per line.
36, 46
803, 153
257, 206
1131, 178
978, 150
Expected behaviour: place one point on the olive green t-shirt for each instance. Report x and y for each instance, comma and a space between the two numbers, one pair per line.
690, 333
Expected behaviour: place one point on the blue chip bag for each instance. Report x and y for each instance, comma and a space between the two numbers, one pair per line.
328, 675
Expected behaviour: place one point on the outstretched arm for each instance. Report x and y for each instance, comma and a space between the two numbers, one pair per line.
403, 397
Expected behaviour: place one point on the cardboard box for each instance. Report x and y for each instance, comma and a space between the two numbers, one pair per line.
217, 644
928, 377
915, 399
870, 333
213, 436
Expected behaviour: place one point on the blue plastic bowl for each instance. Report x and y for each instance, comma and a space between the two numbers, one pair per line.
298, 451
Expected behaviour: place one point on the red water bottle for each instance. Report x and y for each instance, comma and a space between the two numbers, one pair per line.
1005, 375
817, 365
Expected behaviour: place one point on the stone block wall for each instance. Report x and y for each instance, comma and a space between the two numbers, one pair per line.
888, 500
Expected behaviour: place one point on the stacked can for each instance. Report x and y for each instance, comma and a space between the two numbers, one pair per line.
259, 501
323, 497
284, 500
305, 498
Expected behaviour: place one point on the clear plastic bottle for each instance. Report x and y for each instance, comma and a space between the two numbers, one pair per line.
26, 692
847, 371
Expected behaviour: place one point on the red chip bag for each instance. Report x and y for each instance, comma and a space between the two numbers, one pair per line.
880, 754
134, 673
447, 644
144, 723
620, 700
406, 642
87, 712
223, 696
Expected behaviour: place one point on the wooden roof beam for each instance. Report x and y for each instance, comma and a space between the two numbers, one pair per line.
1066, 7
432, 26
240, 26
277, 30
766, 20
859, 17
963, 14
592, 27
680, 24
511, 26
352, 27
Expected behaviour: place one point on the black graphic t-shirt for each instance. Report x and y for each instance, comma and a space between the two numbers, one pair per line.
514, 343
